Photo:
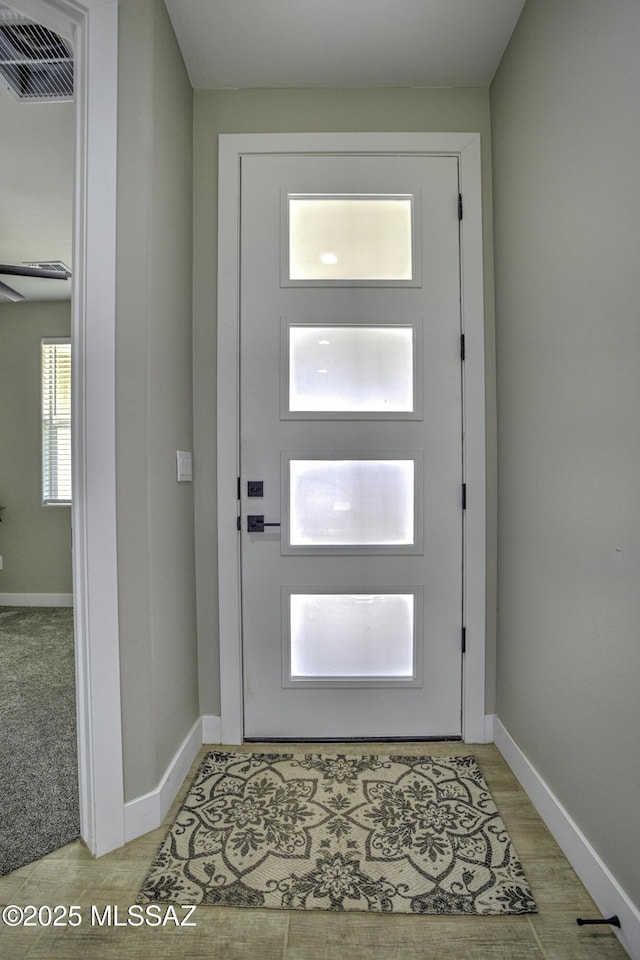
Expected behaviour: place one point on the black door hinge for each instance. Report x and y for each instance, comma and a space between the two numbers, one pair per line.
462, 347
459, 206
238, 523
464, 639
464, 496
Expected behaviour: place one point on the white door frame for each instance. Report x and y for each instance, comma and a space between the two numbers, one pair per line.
466, 147
92, 26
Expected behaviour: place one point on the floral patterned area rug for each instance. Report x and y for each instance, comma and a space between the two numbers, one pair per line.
394, 834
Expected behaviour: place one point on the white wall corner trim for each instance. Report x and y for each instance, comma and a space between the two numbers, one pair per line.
36, 599
603, 887
489, 721
147, 812
211, 729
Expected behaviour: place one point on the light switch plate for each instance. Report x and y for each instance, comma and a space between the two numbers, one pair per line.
184, 470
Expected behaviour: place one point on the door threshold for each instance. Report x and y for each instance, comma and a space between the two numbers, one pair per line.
454, 739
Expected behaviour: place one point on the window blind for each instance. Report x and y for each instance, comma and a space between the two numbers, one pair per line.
56, 420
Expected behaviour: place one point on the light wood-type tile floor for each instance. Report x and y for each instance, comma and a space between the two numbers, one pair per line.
72, 877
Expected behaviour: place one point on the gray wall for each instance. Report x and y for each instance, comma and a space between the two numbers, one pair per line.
154, 386
566, 142
256, 111
35, 541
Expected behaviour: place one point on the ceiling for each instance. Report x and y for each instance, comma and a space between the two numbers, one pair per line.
240, 44
342, 43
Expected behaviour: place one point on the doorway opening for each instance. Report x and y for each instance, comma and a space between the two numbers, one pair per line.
39, 770
90, 28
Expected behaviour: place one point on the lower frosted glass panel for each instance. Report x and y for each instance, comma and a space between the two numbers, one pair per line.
351, 369
351, 502
352, 635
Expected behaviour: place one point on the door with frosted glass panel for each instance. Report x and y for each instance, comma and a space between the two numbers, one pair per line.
350, 447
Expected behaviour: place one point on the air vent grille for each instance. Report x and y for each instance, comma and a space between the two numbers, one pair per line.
36, 63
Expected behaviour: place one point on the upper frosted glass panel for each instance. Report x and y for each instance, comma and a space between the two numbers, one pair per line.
351, 369
352, 635
350, 238
351, 503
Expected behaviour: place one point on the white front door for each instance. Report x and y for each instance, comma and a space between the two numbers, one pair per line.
350, 486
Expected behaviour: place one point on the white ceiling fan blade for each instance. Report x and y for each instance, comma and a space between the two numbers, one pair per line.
9, 293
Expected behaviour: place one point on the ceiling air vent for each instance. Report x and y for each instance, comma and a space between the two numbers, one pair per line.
36, 63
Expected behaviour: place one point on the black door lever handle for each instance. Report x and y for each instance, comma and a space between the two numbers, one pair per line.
256, 524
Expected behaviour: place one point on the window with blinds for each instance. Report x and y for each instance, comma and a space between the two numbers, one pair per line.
56, 420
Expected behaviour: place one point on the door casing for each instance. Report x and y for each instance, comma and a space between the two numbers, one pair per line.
92, 27
466, 147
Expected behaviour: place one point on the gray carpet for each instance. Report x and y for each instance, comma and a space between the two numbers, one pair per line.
38, 751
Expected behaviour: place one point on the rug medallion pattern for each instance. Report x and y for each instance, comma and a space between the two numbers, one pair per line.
294, 831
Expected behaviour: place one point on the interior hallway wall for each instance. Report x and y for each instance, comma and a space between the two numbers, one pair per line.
566, 140
154, 395
35, 540
291, 111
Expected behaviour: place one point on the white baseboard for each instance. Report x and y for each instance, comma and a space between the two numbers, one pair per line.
36, 599
211, 728
147, 812
603, 887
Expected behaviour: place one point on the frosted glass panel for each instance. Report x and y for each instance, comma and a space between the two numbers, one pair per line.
351, 502
350, 238
351, 369
352, 635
